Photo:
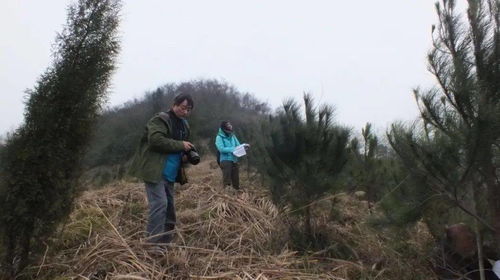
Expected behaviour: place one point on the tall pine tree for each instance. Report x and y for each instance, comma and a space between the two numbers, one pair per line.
304, 156
453, 153
366, 169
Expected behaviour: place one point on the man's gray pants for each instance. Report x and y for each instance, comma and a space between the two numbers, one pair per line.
161, 220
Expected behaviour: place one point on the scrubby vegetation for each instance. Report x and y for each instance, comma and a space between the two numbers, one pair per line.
317, 202
226, 235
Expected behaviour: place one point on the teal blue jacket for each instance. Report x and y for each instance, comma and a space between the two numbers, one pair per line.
226, 143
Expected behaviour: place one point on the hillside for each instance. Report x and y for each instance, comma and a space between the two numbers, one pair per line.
222, 234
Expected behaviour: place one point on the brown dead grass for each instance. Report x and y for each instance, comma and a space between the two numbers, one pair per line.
221, 234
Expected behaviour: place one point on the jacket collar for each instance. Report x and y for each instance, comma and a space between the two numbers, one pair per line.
222, 133
173, 116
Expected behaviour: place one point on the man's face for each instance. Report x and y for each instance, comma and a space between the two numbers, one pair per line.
182, 110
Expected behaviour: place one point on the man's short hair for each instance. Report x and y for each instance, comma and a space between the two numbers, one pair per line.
184, 96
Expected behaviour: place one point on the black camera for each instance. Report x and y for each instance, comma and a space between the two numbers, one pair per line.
193, 156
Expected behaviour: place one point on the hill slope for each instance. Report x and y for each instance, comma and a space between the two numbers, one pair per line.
221, 234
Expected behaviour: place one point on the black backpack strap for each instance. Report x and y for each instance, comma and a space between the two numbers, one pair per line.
187, 129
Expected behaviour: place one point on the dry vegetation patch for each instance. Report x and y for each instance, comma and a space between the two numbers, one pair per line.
222, 234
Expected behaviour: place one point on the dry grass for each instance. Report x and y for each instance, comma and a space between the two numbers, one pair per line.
221, 234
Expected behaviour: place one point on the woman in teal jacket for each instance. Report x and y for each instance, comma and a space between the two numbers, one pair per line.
226, 142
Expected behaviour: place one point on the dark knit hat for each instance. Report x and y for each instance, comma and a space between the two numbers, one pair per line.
224, 127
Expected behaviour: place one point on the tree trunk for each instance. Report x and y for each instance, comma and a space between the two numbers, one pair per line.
9, 257
479, 239
25, 248
494, 206
479, 244
493, 187
308, 222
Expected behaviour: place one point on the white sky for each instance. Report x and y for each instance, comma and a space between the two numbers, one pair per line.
362, 56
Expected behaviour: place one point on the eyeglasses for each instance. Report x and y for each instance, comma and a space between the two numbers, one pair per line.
186, 108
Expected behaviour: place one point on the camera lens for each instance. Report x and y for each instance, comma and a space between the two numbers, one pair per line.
194, 157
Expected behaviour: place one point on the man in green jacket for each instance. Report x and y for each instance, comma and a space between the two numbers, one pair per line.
158, 162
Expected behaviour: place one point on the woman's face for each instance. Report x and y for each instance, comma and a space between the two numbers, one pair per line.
229, 127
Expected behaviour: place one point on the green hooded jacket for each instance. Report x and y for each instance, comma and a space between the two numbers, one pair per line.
156, 143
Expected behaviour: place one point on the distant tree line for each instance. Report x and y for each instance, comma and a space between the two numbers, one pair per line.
119, 128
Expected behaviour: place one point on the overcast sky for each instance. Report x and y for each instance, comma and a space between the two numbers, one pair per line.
364, 56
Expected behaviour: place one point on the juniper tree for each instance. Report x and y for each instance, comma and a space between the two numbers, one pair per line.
43, 155
304, 156
453, 152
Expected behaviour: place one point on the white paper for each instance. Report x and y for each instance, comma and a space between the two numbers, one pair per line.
496, 268
240, 151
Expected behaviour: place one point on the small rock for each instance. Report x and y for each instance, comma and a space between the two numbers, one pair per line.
214, 165
360, 195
